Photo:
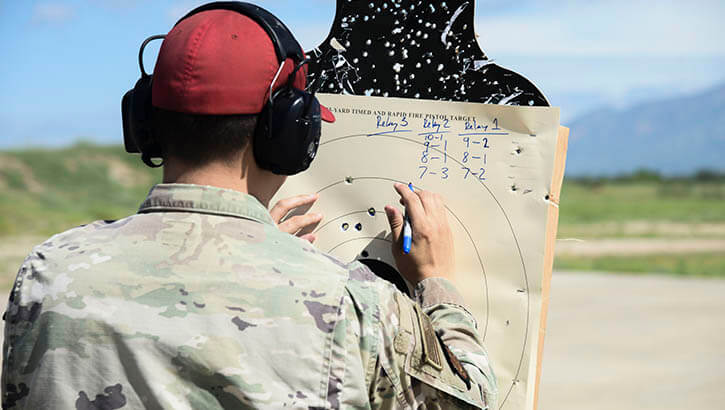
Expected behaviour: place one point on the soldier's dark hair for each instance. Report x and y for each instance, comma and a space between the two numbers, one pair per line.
198, 139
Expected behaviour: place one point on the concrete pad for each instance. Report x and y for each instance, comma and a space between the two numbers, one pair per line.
634, 342
629, 246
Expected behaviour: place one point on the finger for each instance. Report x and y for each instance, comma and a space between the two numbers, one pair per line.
310, 237
283, 206
411, 201
395, 219
294, 224
430, 202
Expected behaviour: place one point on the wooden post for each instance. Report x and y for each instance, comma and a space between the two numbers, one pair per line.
552, 223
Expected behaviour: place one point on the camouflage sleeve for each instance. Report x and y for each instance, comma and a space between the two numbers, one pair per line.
18, 320
430, 352
32, 376
458, 332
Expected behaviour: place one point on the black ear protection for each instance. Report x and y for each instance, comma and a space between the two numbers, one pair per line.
136, 114
288, 129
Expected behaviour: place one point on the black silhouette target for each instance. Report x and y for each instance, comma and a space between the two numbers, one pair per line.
413, 49
375, 245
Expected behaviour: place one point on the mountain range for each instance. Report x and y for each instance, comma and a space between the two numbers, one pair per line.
674, 136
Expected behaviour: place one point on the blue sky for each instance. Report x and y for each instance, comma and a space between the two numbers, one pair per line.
66, 64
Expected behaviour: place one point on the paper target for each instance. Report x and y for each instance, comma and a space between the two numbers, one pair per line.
492, 164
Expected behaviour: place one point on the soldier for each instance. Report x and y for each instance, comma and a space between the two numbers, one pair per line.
205, 299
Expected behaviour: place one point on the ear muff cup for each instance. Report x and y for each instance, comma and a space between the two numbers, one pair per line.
136, 111
288, 132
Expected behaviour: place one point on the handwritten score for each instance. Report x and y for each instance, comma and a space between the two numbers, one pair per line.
493, 164
436, 135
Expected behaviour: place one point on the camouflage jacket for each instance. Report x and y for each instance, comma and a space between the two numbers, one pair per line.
199, 301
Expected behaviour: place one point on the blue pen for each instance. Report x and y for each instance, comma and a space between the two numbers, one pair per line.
407, 229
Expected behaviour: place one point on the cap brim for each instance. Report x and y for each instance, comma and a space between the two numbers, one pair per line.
326, 114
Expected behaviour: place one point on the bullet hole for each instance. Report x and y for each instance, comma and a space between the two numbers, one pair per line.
371, 211
234, 36
358, 226
345, 226
519, 150
546, 197
514, 188
348, 180
364, 254
507, 322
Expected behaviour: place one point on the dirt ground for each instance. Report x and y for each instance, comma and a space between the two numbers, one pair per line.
634, 342
599, 247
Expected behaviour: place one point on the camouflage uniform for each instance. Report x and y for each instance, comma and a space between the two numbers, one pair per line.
199, 301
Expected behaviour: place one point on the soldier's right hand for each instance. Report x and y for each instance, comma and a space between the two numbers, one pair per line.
432, 252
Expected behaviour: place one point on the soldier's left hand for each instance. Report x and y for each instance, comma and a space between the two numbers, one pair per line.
301, 224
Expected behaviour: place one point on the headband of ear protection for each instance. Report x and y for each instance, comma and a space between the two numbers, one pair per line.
288, 128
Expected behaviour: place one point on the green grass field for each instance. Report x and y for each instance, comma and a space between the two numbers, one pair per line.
686, 202
682, 208
44, 191
695, 264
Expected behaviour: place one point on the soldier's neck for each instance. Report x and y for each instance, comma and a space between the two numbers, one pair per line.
243, 176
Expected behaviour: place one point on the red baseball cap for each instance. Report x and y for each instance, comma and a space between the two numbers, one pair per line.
220, 62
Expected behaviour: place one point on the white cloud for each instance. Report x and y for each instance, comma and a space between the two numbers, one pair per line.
52, 13
608, 28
